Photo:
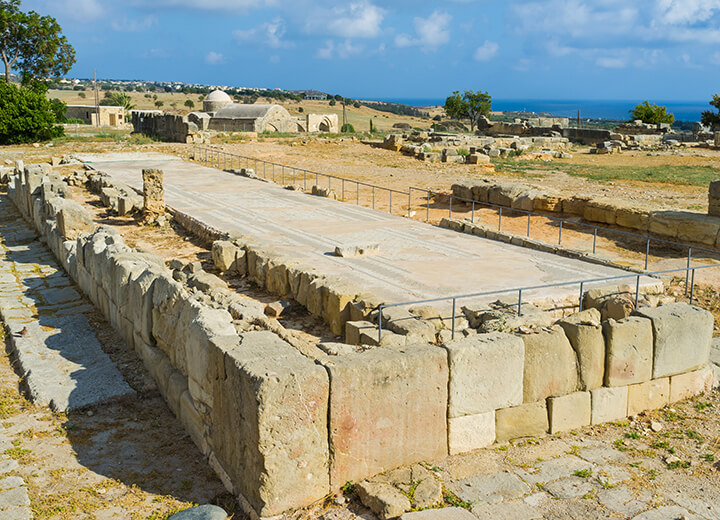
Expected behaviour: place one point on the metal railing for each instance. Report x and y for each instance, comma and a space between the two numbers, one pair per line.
690, 272
226, 160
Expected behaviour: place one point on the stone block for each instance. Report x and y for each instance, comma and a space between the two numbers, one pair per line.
486, 373
340, 296
609, 404
687, 385
384, 500
629, 350
633, 218
650, 395
269, 422
399, 320
569, 412
526, 420
550, 365
471, 432
682, 336
387, 338
353, 330
397, 394
446, 513
73, 220
153, 192
584, 332
224, 254
601, 210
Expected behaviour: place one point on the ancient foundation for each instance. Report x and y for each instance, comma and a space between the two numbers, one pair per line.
284, 428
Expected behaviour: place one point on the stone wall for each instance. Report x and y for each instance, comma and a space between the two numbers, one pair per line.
684, 226
284, 427
169, 127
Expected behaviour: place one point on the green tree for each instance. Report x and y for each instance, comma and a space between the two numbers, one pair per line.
27, 116
32, 44
118, 99
159, 104
711, 118
651, 114
190, 104
470, 105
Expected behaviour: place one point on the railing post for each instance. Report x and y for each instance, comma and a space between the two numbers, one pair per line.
450, 213
317, 179
390, 191
647, 254
519, 302
692, 286
637, 291
427, 214
282, 174
453, 319
594, 239
409, 202
560, 233
343, 190
687, 272
472, 213
380, 308
294, 171
373, 197
528, 226
357, 193
580, 306
500, 219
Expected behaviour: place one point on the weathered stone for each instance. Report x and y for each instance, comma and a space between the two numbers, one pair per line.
387, 338
690, 384
486, 373
617, 307
569, 412
609, 404
515, 510
526, 420
354, 329
601, 210
270, 422
633, 218
629, 348
428, 493
489, 489
445, 513
224, 254
395, 394
554, 469
550, 365
339, 297
73, 220
206, 512
383, 499
153, 192
584, 332
682, 336
651, 395
399, 320
206, 282
667, 513
349, 251
471, 432
595, 298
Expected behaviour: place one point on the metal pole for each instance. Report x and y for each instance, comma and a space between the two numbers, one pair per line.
373, 201
357, 193
427, 214
282, 174
500, 219
560, 233
316, 179
453, 320
687, 273
451, 199
472, 213
647, 253
294, 171
409, 202
692, 286
637, 291
519, 302
390, 191
580, 307
343, 189
594, 239
528, 226
380, 324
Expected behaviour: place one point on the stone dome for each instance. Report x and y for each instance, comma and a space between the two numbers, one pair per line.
216, 100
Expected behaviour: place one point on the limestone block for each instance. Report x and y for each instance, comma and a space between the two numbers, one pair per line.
340, 296
353, 330
486, 373
224, 254
682, 336
384, 500
609, 404
550, 365
600, 210
168, 298
584, 332
575, 205
471, 432
397, 394
73, 220
526, 420
387, 338
176, 386
650, 395
633, 218
546, 201
569, 412
206, 282
277, 277
697, 227
269, 422
192, 421
141, 300
629, 348
690, 384
399, 320
316, 297
664, 223
153, 192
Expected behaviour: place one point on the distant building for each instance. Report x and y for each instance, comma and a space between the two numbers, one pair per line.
313, 95
97, 116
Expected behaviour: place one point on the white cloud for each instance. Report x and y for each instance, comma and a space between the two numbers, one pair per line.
326, 52
270, 34
342, 50
214, 58
486, 51
83, 10
134, 24
431, 32
357, 20
610, 62
209, 5
686, 12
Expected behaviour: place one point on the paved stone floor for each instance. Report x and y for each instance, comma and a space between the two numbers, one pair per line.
56, 348
417, 261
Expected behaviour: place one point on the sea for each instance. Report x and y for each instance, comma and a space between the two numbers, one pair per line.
589, 109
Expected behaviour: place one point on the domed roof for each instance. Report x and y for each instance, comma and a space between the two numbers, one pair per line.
245, 111
218, 96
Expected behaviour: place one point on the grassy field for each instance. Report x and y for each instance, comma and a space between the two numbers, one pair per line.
693, 175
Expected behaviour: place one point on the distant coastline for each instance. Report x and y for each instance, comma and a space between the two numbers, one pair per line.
612, 109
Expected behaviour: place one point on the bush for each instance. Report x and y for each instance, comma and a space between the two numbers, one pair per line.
356, 104
333, 102
27, 116
73, 121
652, 114
347, 128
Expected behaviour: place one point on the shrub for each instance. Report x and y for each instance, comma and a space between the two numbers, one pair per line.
333, 102
652, 114
27, 116
347, 128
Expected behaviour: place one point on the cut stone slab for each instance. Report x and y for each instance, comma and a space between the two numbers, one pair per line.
489, 489
629, 344
550, 365
446, 513
688, 385
611, 475
471, 432
16, 513
609, 404
622, 501
383, 499
683, 335
651, 395
667, 513
348, 251
602, 455
205, 512
567, 488
516, 510
584, 331
397, 394
554, 469
428, 493
526, 420
486, 373
16, 497
569, 412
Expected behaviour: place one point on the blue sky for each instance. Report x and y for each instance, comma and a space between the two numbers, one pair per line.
536, 49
